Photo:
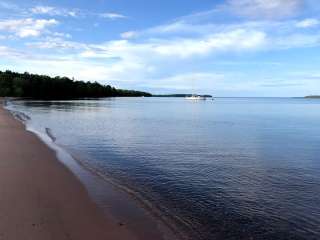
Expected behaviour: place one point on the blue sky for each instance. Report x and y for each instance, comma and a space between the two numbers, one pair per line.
224, 48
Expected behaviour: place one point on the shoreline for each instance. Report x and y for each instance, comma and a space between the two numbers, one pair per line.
60, 207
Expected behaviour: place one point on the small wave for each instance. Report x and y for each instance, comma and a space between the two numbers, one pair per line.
23, 117
50, 134
20, 115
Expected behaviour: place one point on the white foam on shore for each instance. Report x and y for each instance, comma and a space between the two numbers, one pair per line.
49, 140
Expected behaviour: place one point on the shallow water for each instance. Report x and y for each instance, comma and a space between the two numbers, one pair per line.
233, 168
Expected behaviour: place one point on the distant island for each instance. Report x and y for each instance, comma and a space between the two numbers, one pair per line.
312, 96
26, 85
180, 95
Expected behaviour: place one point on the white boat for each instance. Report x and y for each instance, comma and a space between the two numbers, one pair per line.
196, 97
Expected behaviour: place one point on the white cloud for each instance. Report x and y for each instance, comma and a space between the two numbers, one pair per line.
307, 23
176, 27
168, 56
83, 69
230, 41
112, 15
65, 12
265, 8
5, 51
61, 35
192, 81
235, 40
56, 43
27, 27
295, 41
129, 34
53, 11
42, 10
125, 63
183, 39
72, 13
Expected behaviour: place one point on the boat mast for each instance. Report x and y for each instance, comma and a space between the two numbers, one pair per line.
193, 87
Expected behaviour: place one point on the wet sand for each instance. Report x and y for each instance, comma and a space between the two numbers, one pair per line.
40, 198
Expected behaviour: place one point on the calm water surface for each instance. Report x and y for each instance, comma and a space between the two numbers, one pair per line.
233, 168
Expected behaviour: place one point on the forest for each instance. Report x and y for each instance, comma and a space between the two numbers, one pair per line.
26, 85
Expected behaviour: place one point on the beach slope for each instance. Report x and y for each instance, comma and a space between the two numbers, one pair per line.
40, 198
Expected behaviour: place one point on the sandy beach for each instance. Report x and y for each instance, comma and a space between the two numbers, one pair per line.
39, 197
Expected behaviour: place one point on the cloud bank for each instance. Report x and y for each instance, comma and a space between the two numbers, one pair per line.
230, 55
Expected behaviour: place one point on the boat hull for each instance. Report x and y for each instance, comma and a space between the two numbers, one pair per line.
196, 98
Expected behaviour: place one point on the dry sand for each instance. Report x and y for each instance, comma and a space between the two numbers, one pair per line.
40, 198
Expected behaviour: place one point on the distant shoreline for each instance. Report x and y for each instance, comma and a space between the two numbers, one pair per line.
179, 95
313, 96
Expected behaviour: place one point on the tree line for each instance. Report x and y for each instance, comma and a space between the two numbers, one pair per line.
26, 85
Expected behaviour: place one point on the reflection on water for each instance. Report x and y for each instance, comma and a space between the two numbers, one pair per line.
228, 169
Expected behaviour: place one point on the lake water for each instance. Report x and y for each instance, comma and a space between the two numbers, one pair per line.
233, 168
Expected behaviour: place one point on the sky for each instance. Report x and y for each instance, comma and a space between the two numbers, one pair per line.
254, 48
